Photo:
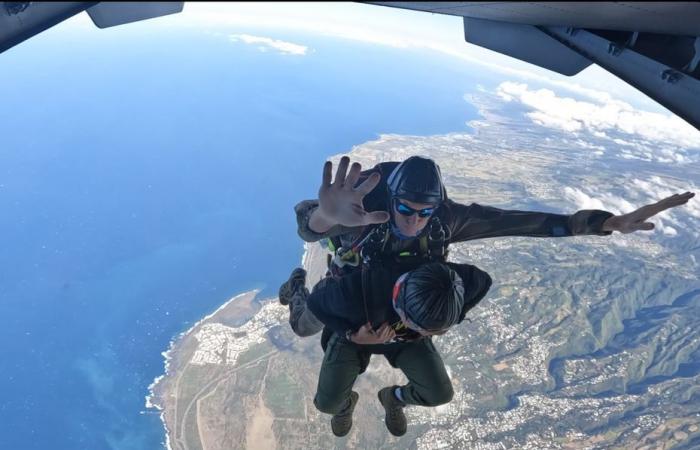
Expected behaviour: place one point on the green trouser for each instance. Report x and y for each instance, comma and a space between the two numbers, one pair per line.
428, 383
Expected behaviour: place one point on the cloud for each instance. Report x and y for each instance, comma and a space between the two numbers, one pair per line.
656, 188
641, 192
265, 43
603, 118
337, 20
604, 201
596, 149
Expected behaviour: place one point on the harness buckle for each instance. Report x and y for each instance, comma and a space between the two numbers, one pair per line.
346, 257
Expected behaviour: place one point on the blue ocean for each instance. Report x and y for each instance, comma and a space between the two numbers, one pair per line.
146, 177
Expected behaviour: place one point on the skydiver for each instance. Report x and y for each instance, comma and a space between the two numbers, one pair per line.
398, 215
407, 201
396, 317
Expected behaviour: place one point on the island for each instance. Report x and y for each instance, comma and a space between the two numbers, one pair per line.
583, 342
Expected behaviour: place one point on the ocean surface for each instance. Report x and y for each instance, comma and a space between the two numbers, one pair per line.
147, 176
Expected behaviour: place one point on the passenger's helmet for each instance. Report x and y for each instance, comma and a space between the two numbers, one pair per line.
429, 298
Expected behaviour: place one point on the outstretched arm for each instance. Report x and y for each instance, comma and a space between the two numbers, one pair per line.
477, 222
637, 220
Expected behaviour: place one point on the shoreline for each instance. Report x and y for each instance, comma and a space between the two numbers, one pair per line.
167, 356
150, 404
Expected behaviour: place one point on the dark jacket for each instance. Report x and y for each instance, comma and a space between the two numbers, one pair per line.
465, 222
347, 303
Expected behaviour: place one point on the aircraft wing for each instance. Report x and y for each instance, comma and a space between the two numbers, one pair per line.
21, 20
654, 46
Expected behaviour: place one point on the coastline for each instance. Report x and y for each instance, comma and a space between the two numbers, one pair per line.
167, 353
167, 357
152, 400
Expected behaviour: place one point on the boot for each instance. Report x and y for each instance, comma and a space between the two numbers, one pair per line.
341, 423
296, 281
394, 419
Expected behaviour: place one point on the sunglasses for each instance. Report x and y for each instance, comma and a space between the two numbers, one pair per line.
407, 211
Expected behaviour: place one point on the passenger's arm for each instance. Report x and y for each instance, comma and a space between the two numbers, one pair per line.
476, 284
327, 303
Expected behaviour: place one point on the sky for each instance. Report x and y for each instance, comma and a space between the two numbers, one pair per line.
628, 109
385, 26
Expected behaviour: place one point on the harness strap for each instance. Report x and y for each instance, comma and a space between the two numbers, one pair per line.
375, 242
423, 243
365, 291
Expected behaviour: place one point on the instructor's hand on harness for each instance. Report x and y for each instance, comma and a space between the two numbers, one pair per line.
367, 336
340, 202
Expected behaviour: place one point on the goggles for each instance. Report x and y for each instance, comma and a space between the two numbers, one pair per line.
407, 211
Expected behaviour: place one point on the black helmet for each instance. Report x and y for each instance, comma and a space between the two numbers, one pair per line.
417, 180
430, 297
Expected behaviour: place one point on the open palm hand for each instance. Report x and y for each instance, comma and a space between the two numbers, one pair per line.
637, 220
340, 201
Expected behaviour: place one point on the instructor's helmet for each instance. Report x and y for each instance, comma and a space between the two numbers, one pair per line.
430, 298
417, 179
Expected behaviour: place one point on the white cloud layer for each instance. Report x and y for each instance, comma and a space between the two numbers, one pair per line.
656, 188
642, 192
266, 43
604, 117
604, 201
